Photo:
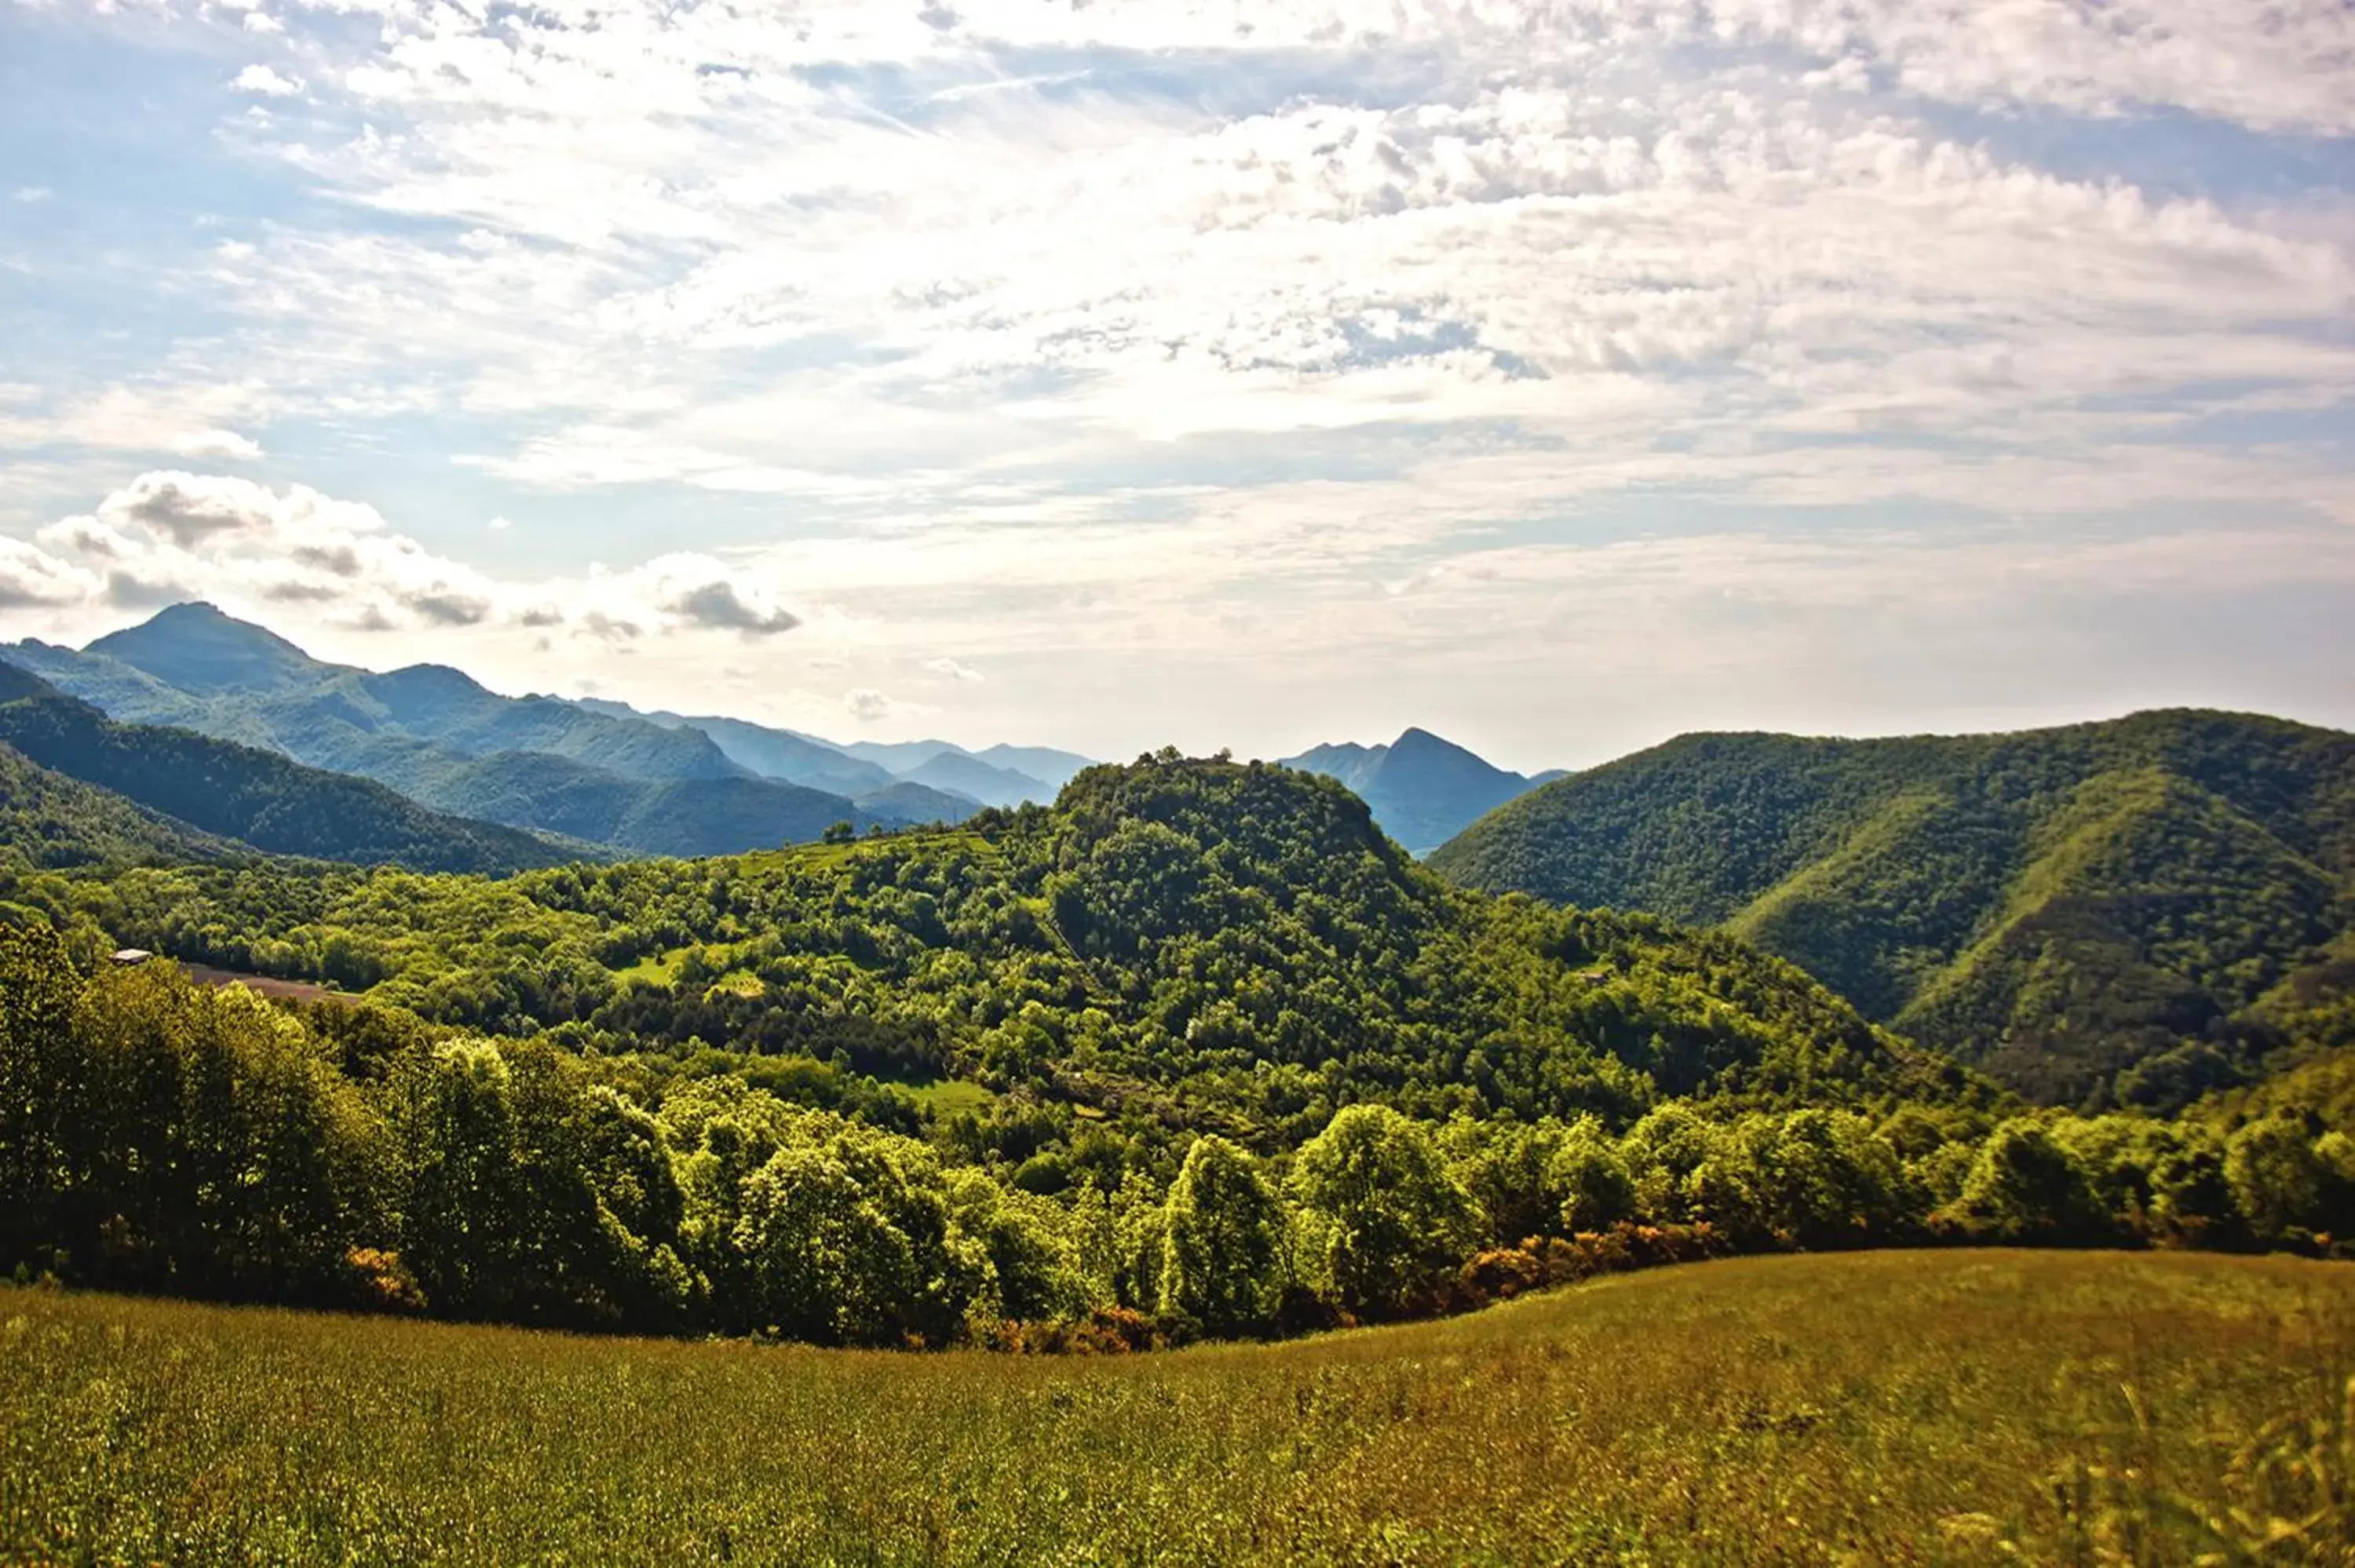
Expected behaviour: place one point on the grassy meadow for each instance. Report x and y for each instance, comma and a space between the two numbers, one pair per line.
1885, 1408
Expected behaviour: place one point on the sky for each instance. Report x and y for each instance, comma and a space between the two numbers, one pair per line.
1558, 377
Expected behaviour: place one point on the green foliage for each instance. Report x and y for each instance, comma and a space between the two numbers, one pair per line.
1222, 1242
1184, 970
848, 1240
162, 1136
51, 822
2288, 1180
1180, 945
2026, 1186
1392, 1221
2083, 912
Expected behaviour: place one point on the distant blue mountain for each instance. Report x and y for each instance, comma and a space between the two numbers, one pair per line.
441, 738
1424, 791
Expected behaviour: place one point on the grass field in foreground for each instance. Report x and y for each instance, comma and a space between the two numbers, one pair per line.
1885, 1407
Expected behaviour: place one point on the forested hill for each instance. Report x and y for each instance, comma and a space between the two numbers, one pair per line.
260, 797
53, 822
2083, 910
1176, 944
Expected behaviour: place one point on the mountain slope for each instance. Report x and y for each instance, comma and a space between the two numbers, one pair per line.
1423, 789
666, 817
2057, 904
49, 821
197, 648
259, 797
770, 753
1050, 767
911, 802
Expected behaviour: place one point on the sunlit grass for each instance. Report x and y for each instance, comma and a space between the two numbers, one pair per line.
1866, 1408
946, 1097
659, 971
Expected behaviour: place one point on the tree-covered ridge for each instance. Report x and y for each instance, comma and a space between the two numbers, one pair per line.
262, 798
1178, 943
51, 822
2056, 905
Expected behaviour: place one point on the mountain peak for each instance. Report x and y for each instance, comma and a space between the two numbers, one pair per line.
1415, 739
191, 609
199, 648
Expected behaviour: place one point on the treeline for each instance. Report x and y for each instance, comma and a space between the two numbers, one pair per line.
159, 1136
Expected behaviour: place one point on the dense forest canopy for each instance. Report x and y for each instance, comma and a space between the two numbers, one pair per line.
1197, 1051
2093, 912
1233, 946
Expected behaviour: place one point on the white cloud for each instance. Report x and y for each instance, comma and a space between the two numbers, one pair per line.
866, 704
30, 575
213, 444
31, 194
702, 592
173, 534
980, 334
950, 669
263, 80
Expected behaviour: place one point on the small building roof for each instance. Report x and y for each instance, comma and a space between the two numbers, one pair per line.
132, 955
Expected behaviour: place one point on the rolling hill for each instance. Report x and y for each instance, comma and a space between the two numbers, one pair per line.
1203, 943
2058, 906
1424, 791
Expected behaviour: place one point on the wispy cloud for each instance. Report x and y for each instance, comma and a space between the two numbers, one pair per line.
1331, 326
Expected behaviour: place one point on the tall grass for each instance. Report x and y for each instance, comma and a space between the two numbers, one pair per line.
1866, 1408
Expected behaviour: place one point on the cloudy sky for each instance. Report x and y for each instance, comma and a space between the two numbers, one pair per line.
1106, 373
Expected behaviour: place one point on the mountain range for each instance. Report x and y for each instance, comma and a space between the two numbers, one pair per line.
2102, 909
593, 772
229, 791
599, 772
1422, 790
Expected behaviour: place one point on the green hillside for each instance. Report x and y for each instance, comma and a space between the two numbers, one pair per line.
49, 821
1950, 1408
540, 790
1225, 946
260, 797
2058, 906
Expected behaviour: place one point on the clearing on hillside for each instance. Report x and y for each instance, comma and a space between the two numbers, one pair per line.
1886, 1407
